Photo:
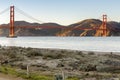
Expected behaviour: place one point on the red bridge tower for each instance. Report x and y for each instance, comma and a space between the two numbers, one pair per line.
11, 30
104, 25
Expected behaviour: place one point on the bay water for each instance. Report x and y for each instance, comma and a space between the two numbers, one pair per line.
102, 44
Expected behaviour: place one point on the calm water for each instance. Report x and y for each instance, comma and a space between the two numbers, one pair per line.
108, 44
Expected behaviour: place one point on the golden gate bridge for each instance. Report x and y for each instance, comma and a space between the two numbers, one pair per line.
103, 30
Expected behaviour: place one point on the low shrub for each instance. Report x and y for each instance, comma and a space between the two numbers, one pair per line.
53, 56
33, 53
91, 53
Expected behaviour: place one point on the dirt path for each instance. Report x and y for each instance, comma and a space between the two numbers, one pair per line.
9, 77
3, 79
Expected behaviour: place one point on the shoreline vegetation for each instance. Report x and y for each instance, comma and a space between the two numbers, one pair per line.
45, 64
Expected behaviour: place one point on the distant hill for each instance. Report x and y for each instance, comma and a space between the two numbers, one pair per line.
113, 28
70, 30
88, 23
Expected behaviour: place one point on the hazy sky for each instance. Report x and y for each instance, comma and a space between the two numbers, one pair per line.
64, 12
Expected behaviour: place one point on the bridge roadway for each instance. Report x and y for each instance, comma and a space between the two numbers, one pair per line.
55, 27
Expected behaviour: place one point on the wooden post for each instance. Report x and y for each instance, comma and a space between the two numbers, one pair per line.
28, 69
63, 75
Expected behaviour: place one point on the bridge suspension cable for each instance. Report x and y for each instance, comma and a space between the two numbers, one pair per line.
4, 11
27, 15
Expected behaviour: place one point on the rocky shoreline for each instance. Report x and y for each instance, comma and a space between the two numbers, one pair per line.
76, 65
